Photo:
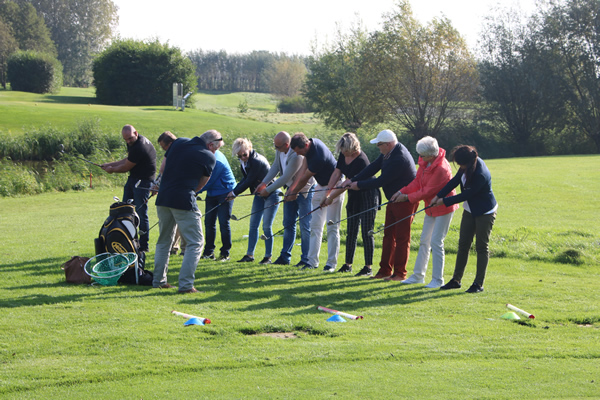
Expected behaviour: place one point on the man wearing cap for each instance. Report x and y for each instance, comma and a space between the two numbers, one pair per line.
141, 165
220, 184
397, 170
320, 164
287, 164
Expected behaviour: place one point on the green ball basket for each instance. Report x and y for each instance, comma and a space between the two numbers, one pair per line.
107, 268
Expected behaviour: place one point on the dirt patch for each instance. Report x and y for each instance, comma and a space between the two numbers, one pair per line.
279, 335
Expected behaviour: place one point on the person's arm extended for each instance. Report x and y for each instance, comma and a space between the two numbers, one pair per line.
123, 165
202, 182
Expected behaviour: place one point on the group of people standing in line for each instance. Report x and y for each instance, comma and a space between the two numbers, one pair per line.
310, 184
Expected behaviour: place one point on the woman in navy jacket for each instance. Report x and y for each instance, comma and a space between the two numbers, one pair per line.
478, 217
254, 168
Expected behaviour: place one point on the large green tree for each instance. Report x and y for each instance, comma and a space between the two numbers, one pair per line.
518, 80
286, 76
572, 32
137, 73
419, 74
334, 84
80, 29
8, 45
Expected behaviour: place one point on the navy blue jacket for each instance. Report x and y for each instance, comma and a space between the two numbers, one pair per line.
397, 171
256, 169
478, 193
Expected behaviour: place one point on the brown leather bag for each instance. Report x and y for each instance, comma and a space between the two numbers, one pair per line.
74, 272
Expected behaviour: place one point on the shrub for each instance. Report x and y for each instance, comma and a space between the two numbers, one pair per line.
138, 73
294, 105
31, 71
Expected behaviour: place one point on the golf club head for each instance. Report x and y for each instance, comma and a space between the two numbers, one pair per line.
138, 183
263, 237
115, 198
370, 233
330, 222
233, 217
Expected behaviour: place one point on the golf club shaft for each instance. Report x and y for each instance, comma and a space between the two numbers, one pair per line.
286, 227
61, 149
397, 222
311, 191
256, 212
359, 213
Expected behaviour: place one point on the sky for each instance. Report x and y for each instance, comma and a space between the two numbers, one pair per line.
242, 26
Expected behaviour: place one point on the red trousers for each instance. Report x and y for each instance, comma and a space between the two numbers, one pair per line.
396, 239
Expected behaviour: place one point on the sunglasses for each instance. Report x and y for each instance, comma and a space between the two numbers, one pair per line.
240, 156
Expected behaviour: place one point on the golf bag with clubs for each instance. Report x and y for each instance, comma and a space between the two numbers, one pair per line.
118, 234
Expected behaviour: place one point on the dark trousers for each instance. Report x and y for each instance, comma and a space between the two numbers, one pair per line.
361, 201
140, 200
481, 228
223, 213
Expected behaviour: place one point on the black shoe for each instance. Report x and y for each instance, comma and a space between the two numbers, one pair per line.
451, 285
365, 271
246, 258
208, 256
266, 260
223, 257
144, 249
281, 261
475, 288
307, 267
329, 268
345, 268
301, 264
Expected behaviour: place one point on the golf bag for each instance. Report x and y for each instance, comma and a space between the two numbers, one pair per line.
119, 234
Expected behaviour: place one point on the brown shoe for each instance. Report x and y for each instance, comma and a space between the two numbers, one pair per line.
394, 278
165, 286
192, 290
380, 275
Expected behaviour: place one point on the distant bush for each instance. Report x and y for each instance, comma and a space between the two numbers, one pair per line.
31, 71
294, 105
138, 73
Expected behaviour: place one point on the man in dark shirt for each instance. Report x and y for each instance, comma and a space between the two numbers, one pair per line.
141, 165
188, 167
397, 170
320, 164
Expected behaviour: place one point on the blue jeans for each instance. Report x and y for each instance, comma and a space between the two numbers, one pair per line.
140, 200
293, 210
265, 209
223, 212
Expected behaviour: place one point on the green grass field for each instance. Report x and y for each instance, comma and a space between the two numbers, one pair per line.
70, 342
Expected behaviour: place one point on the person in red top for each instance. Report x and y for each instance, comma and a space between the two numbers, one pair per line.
433, 174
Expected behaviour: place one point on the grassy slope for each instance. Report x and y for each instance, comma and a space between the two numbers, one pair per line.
62, 341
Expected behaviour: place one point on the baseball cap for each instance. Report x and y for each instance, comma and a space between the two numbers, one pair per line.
385, 136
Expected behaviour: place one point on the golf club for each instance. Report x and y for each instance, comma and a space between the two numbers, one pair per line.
310, 191
371, 233
61, 150
115, 198
143, 233
137, 186
215, 207
330, 222
264, 237
233, 217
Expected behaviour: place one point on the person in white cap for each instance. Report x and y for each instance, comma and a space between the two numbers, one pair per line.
397, 170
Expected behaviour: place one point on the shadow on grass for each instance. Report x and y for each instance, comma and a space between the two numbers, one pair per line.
69, 100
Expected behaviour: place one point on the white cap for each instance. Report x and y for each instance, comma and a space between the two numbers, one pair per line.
385, 136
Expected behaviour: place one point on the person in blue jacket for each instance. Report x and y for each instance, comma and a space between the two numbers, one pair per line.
220, 184
478, 216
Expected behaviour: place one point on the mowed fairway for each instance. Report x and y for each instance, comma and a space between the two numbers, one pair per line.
71, 342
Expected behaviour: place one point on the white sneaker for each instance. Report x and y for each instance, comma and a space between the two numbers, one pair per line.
413, 279
434, 284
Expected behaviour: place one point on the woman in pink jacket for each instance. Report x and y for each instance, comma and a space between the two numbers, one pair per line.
433, 174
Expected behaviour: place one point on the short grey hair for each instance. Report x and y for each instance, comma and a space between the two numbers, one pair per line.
212, 136
348, 142
241, 145
428, 147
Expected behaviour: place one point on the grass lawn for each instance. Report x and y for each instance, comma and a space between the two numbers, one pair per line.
70, 341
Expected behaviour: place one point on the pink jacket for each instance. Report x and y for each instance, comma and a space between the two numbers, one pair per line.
428, 182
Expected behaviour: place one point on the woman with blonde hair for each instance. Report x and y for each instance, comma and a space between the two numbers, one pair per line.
254, 168
350, 162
